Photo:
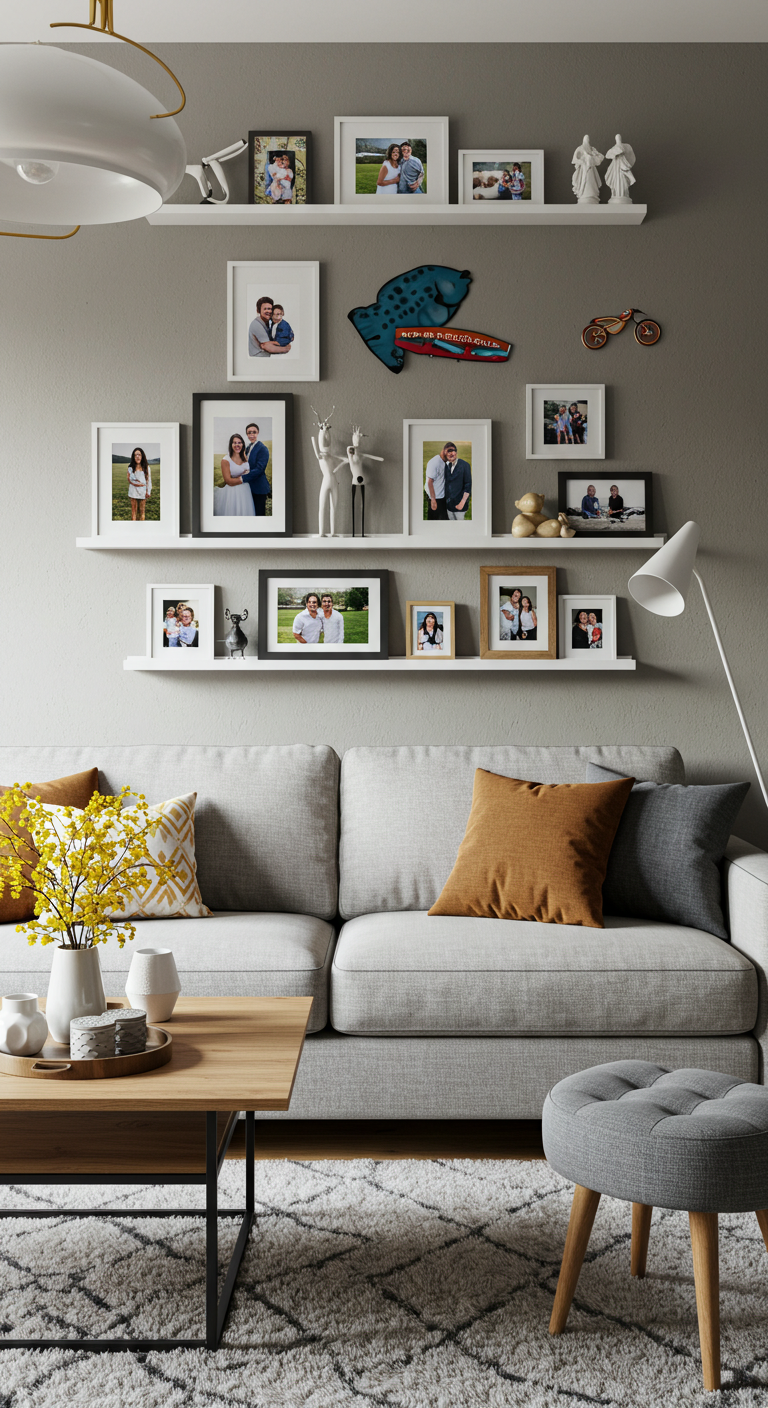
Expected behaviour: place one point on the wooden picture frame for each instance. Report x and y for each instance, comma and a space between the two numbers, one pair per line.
447, 609
541, 580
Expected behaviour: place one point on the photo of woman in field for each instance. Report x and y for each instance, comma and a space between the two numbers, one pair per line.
136, 483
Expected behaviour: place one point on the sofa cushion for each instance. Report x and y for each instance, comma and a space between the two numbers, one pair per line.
397, 852
252, 804
412, 974
227, 955
75, 791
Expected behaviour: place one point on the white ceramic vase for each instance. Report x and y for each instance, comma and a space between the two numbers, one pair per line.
75, 989
23, 1027
153, 983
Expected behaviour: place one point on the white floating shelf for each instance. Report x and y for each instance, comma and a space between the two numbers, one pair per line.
398, 664
407, 212
381, 543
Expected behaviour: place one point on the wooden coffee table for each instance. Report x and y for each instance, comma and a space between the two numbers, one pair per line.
171, 1125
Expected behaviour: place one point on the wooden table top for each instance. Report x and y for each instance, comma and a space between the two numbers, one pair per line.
229, 1053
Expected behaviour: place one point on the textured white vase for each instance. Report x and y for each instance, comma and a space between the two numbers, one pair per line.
23, 1027
153, 983
75, 989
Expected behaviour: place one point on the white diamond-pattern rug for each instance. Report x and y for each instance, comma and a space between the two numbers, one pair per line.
402, 1284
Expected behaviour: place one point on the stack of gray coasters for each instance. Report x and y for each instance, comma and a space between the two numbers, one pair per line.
91, 1038
130, 1030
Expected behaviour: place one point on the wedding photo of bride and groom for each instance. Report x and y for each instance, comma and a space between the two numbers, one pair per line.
242, 474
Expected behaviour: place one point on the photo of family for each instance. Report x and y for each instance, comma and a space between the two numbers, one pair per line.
136, 482
447, 481
517, 613
322, 617
269, 332
586, 629
602, 505
565, 422
279, 173
181, 624
492, 181
386, 166
242, 475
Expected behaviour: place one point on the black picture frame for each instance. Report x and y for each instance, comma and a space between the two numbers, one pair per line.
199, 399
564, 475
252, 165
267, 574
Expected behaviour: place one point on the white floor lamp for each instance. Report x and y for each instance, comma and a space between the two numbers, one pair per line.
662, 585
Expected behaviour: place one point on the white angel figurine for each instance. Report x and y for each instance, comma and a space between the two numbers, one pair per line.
618, 175
329, 489
355, 459
586, 177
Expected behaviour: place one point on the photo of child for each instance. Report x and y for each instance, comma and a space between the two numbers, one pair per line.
565, 422
430, 636
279, 172
508, 180
180, 624
600, 505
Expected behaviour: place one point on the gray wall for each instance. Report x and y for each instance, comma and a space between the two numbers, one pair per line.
128, 321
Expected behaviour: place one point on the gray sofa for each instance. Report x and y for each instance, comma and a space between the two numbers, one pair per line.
320, 873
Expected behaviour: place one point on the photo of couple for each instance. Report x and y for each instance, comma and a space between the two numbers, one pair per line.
136, 483
447, 481
565, 422
390, 168
586, 629
322, 618
517, 614
269, 333
278, 169
242, 476
493, 181
180, 626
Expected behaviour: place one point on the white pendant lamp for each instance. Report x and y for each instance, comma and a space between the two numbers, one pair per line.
78, 143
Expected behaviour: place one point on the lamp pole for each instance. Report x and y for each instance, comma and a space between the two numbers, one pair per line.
729, 677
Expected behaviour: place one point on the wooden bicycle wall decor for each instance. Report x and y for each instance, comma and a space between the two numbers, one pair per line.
595, 335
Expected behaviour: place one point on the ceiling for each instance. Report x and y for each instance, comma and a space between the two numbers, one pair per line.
411, 21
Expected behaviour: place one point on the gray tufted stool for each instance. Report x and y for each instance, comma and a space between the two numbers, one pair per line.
689, 1139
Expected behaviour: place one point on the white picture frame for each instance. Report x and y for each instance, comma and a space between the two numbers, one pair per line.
295, 284
350, 132
569, 608
160, 598
504, 157
111, 443
425, 438
539, 432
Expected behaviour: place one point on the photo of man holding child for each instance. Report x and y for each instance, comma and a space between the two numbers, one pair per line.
269, 332
278, 169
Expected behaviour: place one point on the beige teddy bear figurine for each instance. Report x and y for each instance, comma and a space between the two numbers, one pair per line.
531, 522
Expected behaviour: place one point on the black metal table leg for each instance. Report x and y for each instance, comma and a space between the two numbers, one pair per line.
211, 1231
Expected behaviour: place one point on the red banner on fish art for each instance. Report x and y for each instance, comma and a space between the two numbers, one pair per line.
457, 343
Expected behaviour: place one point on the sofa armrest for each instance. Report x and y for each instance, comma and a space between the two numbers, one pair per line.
745, 886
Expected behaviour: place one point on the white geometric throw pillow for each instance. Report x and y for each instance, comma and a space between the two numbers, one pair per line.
174, 844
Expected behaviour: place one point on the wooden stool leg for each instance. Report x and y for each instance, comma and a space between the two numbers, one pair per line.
583, 1211
762, 1217
641, 1231
706, 1273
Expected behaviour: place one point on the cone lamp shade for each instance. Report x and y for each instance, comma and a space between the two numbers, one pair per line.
662, 585
78, 144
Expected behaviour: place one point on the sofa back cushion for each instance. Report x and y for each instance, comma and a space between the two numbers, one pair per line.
266, 819
404, 811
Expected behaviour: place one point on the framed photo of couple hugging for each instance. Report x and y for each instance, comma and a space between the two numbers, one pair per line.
518, 613
242, 452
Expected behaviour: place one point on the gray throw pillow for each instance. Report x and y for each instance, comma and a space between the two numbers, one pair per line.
665, 859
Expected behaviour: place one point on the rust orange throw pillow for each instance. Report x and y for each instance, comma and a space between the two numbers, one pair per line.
533, 851
73, 791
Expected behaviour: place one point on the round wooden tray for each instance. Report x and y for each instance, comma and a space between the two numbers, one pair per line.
53, 1062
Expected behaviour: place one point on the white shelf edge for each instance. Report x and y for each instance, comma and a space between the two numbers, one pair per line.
382, 543
397, 664
410, 213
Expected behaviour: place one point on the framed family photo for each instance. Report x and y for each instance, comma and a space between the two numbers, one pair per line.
242, 452
135, 481
429, 630
380, 158
325, 615
279, 169
180, 624
503, 173
607, 506
447, 480
273, 321
518, 613
565, 422
587, 627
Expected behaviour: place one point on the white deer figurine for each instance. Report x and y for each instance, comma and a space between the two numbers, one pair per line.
329, 489
359, 477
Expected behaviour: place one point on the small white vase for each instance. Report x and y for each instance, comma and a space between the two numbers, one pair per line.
23, 1027
153, 983
75, 989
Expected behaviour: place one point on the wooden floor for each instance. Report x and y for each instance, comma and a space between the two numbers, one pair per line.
394, 1139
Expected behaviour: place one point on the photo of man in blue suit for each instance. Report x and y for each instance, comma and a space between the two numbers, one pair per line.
256, 476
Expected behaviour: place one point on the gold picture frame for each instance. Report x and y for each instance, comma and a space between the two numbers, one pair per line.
445, 608
542, 585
